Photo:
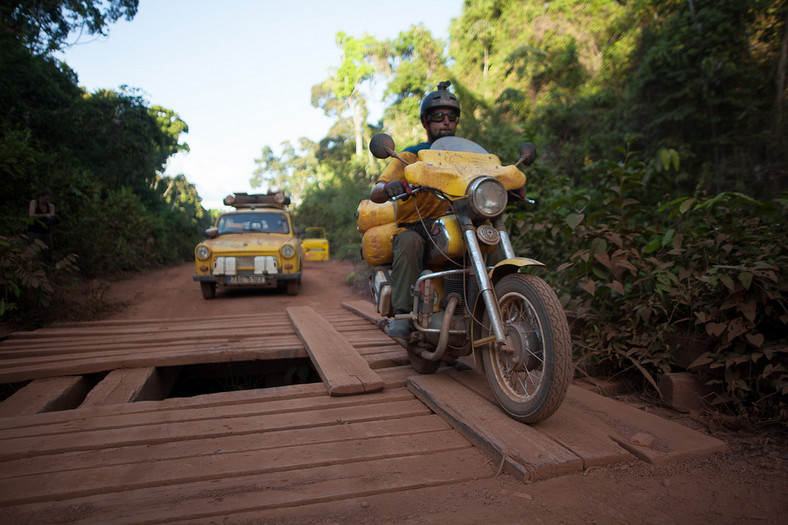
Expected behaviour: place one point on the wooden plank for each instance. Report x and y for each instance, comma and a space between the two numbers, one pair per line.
364, 309
147, 357
185, 431
221, 320
220, 399
672, 441
396, 377
53, 351
523, 451
386, 360
343, 370
220, 499
132, 384
73, 432
103, 457
44, 395
569, 427
164, 472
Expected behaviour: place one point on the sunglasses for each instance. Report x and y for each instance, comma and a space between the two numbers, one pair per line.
438, 116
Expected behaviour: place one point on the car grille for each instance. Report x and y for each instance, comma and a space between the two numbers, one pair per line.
246, 264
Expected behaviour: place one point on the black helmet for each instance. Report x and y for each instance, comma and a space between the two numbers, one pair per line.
439, 99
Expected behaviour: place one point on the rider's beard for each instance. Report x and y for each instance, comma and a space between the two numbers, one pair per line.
441, 132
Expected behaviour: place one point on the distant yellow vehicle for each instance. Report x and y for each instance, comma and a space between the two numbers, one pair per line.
315, 244
253, 246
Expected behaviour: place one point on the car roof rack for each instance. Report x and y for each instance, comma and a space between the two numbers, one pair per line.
257, 200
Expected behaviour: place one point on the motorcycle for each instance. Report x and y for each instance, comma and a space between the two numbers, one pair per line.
473, 297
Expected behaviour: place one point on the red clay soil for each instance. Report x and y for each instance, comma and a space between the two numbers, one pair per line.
748, 484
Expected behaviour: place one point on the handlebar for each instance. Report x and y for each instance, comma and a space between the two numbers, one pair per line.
413, 191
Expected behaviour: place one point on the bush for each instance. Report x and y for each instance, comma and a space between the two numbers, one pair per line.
26, 283
639, 273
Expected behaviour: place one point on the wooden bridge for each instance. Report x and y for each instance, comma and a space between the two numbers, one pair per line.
96, 437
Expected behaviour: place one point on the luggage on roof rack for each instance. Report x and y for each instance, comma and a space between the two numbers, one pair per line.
246, 200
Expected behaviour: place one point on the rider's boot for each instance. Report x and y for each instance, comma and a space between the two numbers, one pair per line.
400, 328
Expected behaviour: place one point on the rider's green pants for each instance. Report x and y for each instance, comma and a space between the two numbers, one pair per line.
408, 248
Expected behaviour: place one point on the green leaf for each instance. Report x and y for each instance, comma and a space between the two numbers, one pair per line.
755, 339
746, 279
589, 286
715, 329
749, 310
654, 245
618, 287
728, 282
573, 220
686, 205
668, 237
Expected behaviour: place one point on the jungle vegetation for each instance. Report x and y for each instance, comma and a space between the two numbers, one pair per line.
101, 154
660, 183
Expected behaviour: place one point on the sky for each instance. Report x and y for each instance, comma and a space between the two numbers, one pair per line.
240, 72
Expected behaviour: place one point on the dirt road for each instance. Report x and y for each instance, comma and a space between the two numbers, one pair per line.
171, 292
748, 484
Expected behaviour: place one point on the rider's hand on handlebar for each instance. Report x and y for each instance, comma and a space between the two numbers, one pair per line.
397, 188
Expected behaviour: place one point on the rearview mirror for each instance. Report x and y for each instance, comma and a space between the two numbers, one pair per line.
381, 146
527, 154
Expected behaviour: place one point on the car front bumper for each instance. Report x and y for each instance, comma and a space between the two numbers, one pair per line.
226, 280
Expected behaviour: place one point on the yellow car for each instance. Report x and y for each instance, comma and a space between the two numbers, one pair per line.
253, 246
315, 244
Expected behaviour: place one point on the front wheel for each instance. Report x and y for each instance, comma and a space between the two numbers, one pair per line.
530, 373
208, 289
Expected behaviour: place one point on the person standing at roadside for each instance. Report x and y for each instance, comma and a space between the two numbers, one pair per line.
41, 211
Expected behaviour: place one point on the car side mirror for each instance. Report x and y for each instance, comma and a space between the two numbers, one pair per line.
300, 231
211, 232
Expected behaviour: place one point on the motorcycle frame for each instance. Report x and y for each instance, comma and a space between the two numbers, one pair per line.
480, 271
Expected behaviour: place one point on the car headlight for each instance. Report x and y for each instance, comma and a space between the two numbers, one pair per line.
202, 252
287, 251
488, 196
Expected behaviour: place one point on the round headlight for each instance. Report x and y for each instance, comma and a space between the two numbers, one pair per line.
287, 251
488, 196
202, 252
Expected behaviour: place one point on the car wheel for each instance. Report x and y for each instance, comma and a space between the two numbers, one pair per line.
208, 290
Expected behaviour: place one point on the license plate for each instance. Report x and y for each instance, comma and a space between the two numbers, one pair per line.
247, 279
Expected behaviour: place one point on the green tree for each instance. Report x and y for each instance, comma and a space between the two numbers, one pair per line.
44, 25
292, 172
412, 64
342, 93
703, 80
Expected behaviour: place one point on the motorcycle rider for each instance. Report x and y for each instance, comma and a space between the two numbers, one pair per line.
439, 114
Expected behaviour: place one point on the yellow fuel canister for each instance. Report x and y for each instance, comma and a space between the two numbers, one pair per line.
370, 214
376, 244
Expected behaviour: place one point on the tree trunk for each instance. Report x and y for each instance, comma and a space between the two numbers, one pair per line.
355, 109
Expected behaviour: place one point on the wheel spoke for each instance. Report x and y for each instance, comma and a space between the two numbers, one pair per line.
524, 380
530, 373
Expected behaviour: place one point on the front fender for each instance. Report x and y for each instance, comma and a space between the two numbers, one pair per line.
507, 266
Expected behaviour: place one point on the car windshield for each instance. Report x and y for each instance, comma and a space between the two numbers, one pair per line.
314, 234
254, 222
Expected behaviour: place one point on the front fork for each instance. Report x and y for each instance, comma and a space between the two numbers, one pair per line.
485, 284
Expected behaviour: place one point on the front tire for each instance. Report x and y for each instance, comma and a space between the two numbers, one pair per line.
292, 287
530, 374
208, 290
